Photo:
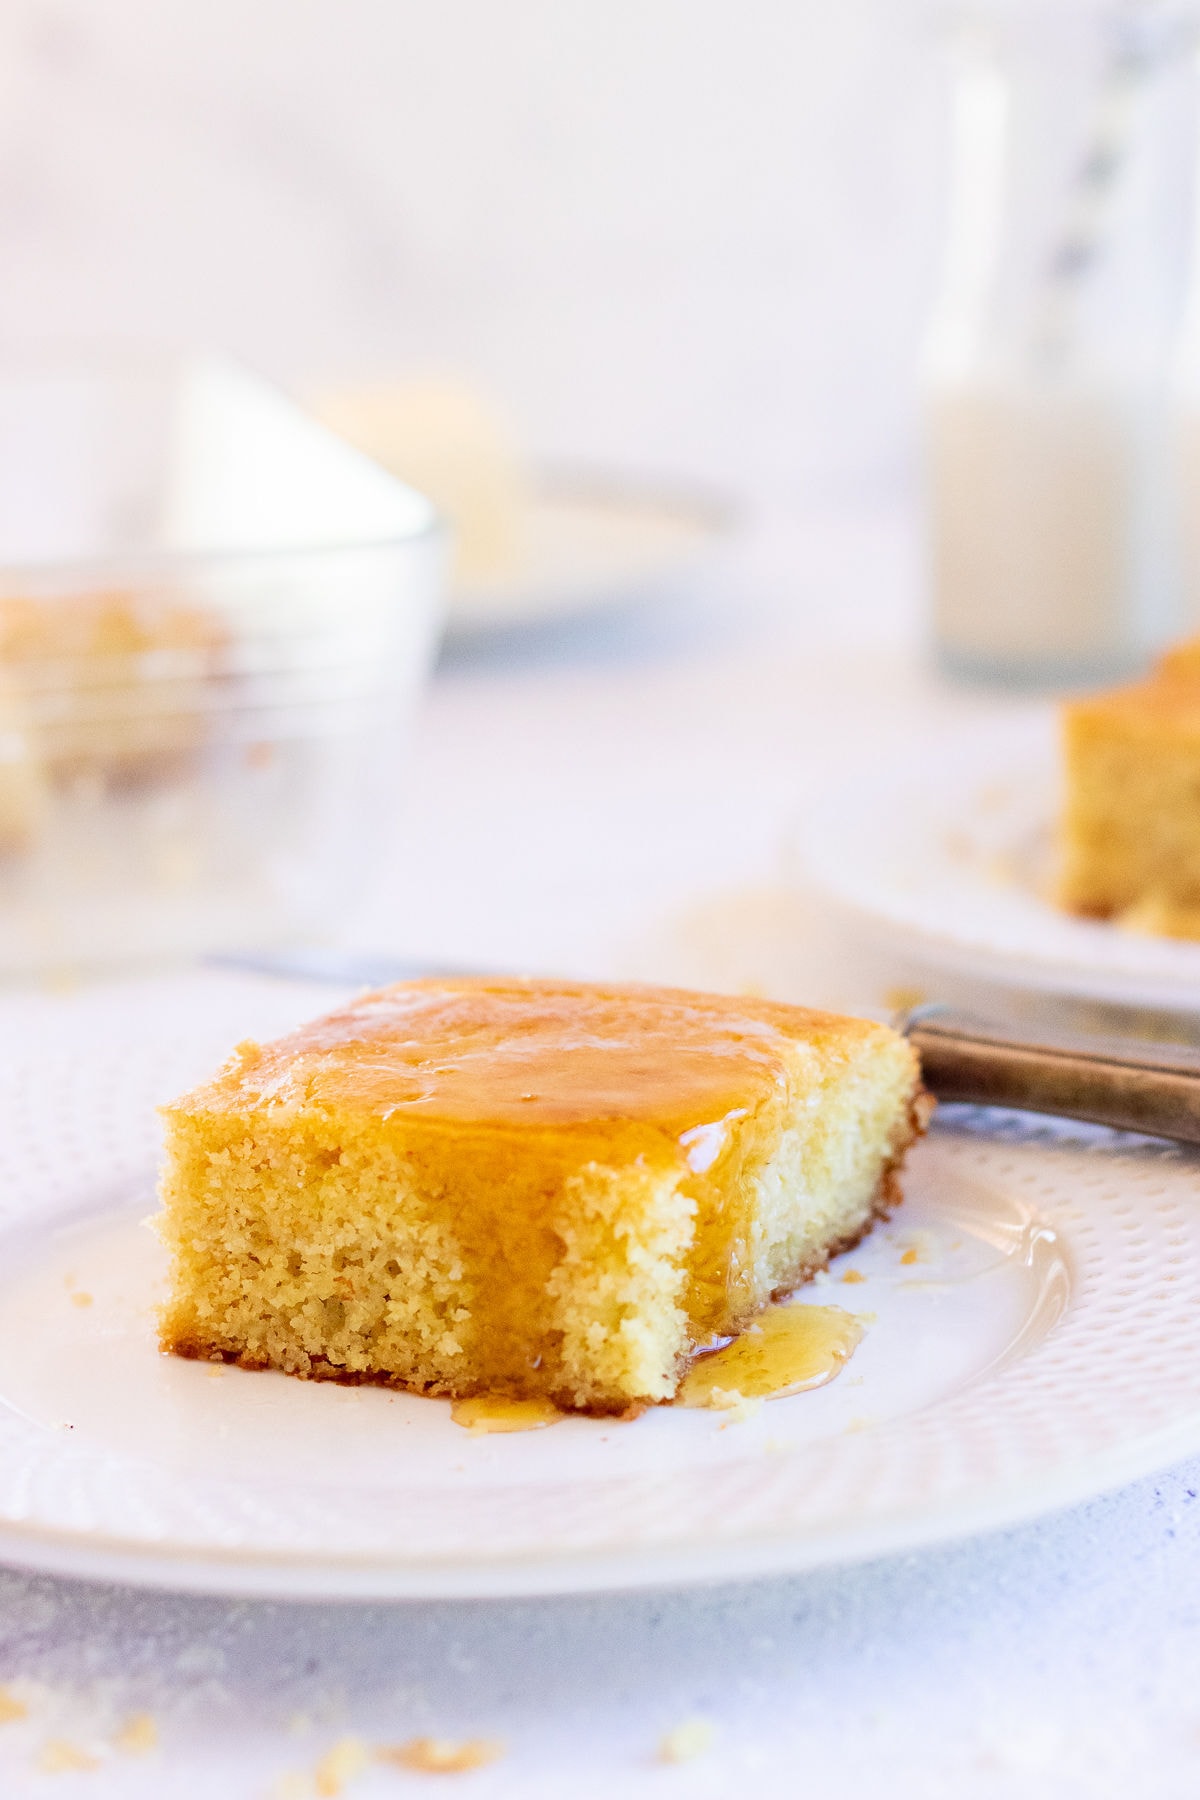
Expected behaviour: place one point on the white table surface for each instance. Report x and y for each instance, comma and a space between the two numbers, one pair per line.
618, 798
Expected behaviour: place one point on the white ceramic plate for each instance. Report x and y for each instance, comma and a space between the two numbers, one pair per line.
1034, 1337
593, 542
949, 854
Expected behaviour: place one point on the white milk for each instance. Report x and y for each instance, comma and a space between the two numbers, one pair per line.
1035, 523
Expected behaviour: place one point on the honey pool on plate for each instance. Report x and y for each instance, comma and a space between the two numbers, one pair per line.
787, 1350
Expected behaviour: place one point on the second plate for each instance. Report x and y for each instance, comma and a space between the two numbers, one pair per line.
949, 855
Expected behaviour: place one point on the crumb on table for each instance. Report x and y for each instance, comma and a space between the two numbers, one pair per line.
138, 1735
442, 1756
293, 1785
11, 1708
692, 1738
61, 1757
347, 1759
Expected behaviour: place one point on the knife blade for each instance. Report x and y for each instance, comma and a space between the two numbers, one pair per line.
1126, 1083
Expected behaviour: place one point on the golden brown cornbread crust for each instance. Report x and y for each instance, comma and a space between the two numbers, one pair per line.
534, 1189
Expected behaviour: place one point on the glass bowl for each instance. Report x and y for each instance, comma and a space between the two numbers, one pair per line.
215, 618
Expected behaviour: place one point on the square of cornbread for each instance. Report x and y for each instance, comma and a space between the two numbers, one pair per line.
524, 1188
1131, 820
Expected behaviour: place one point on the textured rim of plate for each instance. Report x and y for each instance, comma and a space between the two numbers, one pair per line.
877, 848
257, 1577
1111, 1391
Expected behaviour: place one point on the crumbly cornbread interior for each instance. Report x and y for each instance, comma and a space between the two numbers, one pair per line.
1130, 834
523, 1187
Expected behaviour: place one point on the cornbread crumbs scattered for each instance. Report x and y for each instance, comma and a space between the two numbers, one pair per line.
693, 1738
441, 1756
919, 1246
903, 999
138, 1736
853, 1275
11, 1709
60, 1757
346, 1760
737, 1407
81, 1297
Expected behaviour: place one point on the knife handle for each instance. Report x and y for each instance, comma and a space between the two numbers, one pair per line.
1130, 1085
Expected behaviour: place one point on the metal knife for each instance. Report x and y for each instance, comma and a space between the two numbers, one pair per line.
1127, 1083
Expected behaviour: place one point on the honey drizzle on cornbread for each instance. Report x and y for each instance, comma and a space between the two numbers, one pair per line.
478, 1056
527, 1053
787, 1350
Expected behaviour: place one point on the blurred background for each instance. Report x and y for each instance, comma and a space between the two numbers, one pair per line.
670, 235
875, 325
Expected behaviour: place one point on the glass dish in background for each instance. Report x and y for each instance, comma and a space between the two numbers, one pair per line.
214, 620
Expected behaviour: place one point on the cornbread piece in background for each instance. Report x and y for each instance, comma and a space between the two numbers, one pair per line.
443, 439
1181, 662
1131, 820
109, 684
524, 1187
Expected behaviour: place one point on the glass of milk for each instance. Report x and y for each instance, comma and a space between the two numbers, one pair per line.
1048, 455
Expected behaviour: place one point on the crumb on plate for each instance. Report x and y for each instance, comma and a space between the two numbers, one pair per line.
736, 1406
902, 999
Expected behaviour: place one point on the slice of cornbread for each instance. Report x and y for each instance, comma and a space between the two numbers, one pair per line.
524, 1187
1131, 822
